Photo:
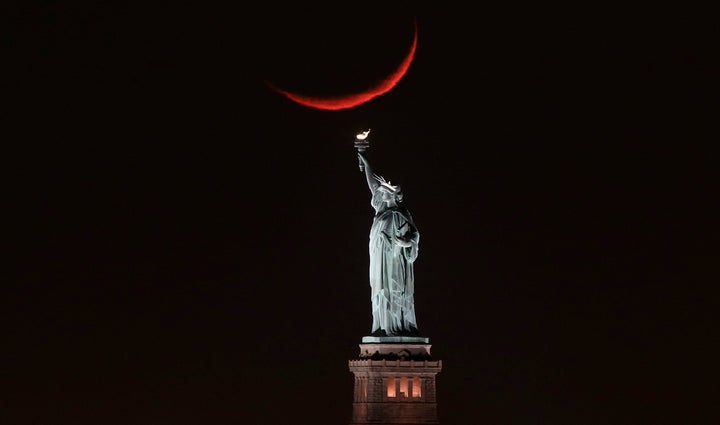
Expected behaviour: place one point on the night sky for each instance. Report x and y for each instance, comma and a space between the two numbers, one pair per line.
187, 246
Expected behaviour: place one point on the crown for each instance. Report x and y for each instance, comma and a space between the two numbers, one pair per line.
386, 184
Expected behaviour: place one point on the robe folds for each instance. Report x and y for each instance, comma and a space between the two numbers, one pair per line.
392, 279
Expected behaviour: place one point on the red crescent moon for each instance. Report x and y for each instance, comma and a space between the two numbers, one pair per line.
352, 100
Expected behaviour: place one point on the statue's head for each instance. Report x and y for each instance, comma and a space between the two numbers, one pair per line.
389, 191
398, 194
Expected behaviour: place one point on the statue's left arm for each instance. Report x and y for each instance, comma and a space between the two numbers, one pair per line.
408, 237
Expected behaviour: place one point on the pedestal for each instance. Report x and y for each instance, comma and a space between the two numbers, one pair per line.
395, 382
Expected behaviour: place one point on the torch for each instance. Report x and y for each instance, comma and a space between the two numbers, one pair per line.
361, 144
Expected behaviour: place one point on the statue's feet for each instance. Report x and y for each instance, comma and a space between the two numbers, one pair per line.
413, 331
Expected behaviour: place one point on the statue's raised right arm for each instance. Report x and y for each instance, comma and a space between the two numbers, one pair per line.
369, 174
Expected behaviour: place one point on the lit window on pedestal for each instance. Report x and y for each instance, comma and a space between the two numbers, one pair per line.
403, 387
416, 387
391, 387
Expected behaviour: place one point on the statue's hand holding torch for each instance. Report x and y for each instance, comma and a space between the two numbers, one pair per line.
361, 144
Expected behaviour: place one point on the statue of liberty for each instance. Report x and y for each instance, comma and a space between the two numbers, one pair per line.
393, 249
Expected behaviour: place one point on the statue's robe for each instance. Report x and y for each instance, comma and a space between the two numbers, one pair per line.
392, 280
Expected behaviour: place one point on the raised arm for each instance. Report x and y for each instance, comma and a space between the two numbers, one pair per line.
369, 175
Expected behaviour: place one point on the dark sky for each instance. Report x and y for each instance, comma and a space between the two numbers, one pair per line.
186, 246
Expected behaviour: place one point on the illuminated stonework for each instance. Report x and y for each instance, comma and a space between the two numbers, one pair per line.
390, 389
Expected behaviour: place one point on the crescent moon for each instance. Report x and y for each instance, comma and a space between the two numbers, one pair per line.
352, 100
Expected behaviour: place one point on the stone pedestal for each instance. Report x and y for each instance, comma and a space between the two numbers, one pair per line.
395, 382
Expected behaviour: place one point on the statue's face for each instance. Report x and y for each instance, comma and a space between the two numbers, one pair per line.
390, 198
387, 196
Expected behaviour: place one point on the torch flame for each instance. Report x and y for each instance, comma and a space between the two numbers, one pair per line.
363, 135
